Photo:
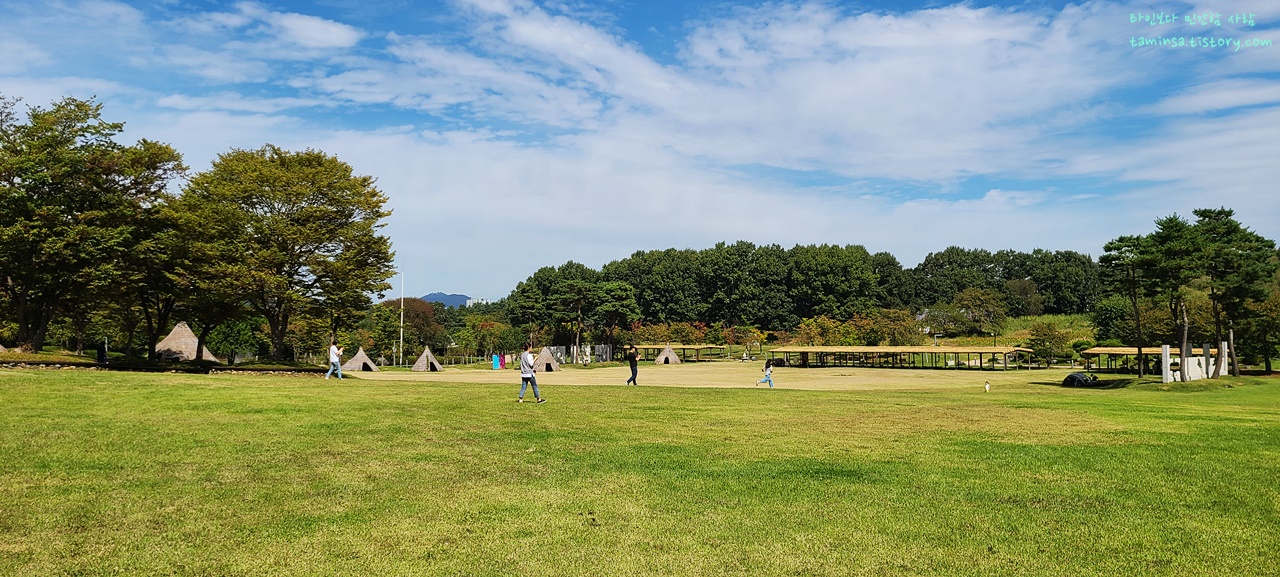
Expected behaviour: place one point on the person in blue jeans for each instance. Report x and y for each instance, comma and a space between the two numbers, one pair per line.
768, 374
335, 359
527, 375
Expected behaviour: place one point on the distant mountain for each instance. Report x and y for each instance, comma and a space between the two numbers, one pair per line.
447, 300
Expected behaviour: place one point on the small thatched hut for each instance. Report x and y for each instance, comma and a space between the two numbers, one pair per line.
180, 345
546, 362
667, 357
3, 350
427, 362
360, 362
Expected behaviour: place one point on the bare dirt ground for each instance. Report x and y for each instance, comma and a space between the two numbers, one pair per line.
732, 374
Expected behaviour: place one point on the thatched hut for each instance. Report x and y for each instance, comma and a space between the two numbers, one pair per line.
180, 345
427, 362
546, 362
667, 357
360, 362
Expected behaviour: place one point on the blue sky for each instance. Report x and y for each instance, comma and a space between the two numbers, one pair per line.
514, 134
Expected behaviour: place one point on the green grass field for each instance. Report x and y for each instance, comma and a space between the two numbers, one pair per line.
836, 472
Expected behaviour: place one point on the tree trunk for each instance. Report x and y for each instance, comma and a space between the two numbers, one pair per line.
1217, 333
577, 337
1137, 326
1266, 355
33, 323
201, 338
1235, 361
1185, 351
163, 309
278, 323
128, 340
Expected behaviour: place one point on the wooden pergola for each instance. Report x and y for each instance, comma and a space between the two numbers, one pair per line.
918, 357
651, 351
1121, 358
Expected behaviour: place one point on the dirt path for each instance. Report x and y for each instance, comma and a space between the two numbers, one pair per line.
743, 375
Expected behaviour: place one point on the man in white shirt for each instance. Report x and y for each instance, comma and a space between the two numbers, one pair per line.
526, 375
335, 359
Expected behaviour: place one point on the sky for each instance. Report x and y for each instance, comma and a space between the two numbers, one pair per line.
509, 135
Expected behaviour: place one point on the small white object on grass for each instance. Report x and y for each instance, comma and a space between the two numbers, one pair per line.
987, 387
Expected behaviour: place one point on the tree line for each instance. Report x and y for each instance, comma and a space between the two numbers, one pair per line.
824, 294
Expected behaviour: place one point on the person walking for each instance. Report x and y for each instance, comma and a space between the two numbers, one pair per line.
335, 359
768, 374
633, 358
527, 375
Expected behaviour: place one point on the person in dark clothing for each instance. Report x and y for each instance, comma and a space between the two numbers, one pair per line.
633, 358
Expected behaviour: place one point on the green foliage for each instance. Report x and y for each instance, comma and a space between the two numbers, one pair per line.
830, 280
1047, 341
983, 309
1263, 326
893, 327
616, 307
946, 319
1023, 297
240, 336
1113, 319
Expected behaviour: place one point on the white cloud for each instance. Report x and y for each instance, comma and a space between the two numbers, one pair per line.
304, 30
1220, 95
43, 91
20, 56
312, 32
209, 23
232, 102
220, 67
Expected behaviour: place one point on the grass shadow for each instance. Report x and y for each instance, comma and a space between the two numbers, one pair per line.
1100, 384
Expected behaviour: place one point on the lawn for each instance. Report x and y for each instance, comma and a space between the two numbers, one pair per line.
836, 472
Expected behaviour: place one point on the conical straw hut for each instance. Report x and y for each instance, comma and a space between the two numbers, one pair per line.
667, 357
427, 362
360, 362
181, 345
546, 362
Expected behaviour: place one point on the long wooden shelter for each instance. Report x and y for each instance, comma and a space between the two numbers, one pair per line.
909, 357
1126, 358
652, 351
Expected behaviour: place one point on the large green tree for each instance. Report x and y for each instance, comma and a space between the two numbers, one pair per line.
616, 307
309, 232
73, 199
1175, 247
984, 309
835, 281
1128, 266
1236, 263
574, 301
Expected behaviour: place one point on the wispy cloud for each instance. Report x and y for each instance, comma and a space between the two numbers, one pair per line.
303, 30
